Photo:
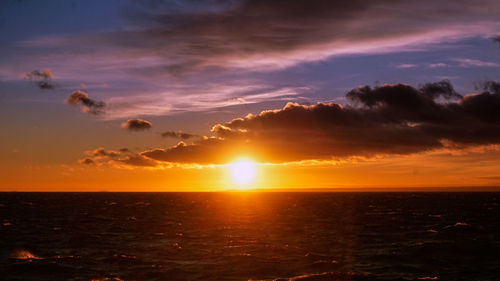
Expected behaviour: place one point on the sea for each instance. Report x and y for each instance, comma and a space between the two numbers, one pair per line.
297, 236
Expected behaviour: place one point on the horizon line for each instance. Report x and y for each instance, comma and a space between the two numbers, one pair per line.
290, 190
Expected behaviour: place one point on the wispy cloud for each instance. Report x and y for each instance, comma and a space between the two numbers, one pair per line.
269, 35
460, 62
406, 65
467, 62
438, 64
203, 42
197, 98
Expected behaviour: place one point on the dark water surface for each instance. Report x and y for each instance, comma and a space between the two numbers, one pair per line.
249, 236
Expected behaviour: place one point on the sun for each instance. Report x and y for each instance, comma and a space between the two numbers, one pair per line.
243, 171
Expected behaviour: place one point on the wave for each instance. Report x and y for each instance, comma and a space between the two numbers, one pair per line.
339, 276
24, 255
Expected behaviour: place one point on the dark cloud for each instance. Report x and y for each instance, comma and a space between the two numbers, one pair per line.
87, 161
388, 119
442, 89
402, 96
136, 125
137, 160
101, 156
119, 157
197, 33
101, 152
178, 135
491, 86
250, 27
212, 35
496, 39
87, 104
42, 78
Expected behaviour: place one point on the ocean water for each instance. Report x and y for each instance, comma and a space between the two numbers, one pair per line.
249, 236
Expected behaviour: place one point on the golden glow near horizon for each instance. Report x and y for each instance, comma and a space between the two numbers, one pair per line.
243, 172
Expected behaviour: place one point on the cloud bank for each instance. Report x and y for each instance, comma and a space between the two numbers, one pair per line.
385, 120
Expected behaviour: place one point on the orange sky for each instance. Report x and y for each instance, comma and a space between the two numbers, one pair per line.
473, 170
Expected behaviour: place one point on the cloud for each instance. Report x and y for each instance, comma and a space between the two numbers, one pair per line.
179, 37
136, 160
385, 120
136, 125
197, 44
87, 161
460, 62
40, 74
439, 64
261, 33
178, 135
466, 62
402, 96
87, 104
490, 86
42, 78
117, 158
406, 65
195, 98
101, 152
430, 65
442, 89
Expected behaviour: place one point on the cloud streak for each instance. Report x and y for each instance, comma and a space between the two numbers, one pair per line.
195, 99
274, 34
176, 38
467, 62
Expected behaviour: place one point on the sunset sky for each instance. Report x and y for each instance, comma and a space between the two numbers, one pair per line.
165, 95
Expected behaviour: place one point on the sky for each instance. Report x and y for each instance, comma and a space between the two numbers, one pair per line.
165, 95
